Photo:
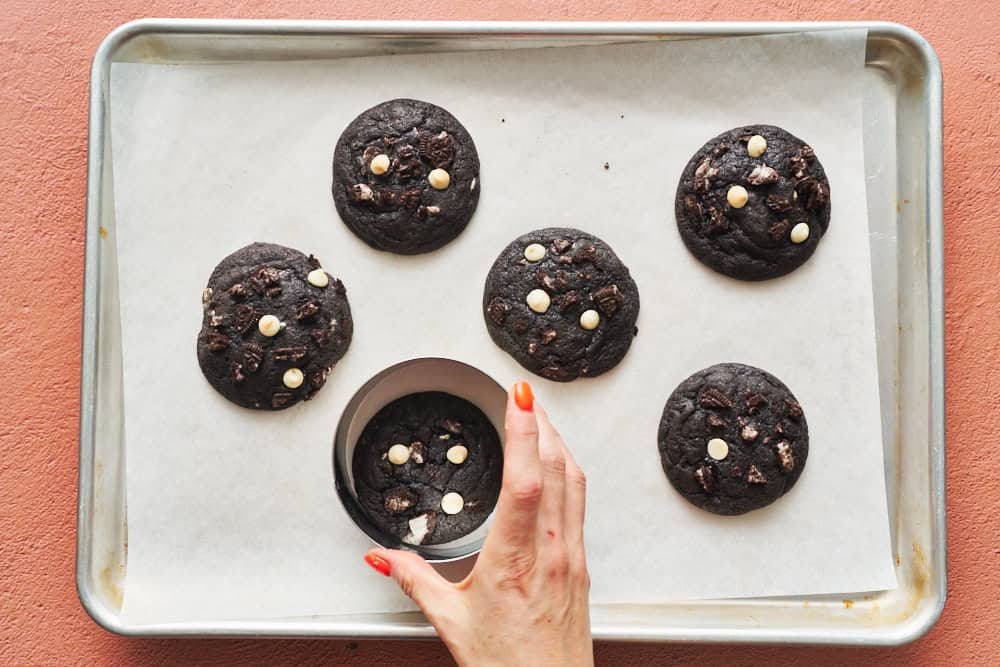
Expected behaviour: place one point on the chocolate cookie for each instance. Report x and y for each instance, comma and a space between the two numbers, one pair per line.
561, 303
427, 468
274, 324
406, 177
733, 439
753, 203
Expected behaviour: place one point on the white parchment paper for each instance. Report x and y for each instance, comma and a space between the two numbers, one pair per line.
232, 513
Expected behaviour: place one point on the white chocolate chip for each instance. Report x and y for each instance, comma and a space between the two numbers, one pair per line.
439, 179
737, 196
293, 378
538, 300
420, 526
452, 503
756, 146
718, 449
534, 252
269, 325
472, 186
457, 454
590, 319
432, 210
800, 233
399, 454
380, 164
318, 278
206, 295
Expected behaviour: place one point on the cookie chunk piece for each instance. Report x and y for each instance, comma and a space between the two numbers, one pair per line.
274, 323
753, 203
733, 439
427, 468
561, 303
406, 177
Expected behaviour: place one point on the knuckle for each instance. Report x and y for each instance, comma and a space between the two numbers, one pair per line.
554, 464
557, 562
576, 477
526, 491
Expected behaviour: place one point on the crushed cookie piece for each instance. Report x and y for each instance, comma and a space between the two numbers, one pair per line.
217, 342
713, 398
755, 476
307, 312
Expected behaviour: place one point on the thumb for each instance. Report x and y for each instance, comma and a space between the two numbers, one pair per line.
415, 576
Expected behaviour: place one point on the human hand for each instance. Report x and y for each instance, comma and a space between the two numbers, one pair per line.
526, 600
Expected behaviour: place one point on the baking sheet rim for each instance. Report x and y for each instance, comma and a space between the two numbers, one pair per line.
906, 630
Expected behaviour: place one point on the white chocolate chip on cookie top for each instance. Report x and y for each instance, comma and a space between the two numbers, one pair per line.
534, 252
589, 319
293, 378
538, 300
452, 503
269, 325
439, 179
756, 146
380, 164
318, 278
399, 454
737, 196
718, 449
800, 233
457, 454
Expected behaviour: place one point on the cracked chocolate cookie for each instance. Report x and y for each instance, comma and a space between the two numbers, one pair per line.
406, 177
427, 468
753, 203
561, 303
274, 323
733, 439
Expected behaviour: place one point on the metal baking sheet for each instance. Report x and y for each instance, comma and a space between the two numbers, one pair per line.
903, 165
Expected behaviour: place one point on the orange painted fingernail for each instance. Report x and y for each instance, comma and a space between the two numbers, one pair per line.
523, 396
378, 563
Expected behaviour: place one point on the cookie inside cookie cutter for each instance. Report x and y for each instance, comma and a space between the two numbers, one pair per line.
454, 558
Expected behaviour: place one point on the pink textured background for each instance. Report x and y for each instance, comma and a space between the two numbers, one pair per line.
45, 51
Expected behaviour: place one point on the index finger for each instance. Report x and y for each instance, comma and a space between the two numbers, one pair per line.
521, 490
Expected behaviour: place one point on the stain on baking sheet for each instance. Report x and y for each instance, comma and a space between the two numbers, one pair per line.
918, 590
920, 571
110, 583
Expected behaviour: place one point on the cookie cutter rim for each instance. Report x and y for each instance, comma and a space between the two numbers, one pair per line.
350, 425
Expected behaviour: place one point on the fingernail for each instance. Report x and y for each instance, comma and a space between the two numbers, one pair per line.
378, 563
523, 396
